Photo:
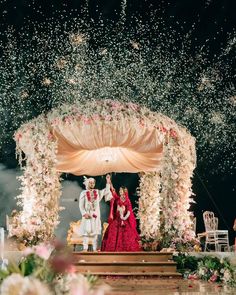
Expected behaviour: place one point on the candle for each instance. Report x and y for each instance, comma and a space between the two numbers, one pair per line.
2, 242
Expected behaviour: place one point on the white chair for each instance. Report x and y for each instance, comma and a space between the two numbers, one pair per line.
218, 238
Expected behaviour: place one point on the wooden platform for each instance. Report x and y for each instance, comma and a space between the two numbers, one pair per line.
126, 263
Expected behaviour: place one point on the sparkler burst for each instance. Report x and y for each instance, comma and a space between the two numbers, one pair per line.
58, 62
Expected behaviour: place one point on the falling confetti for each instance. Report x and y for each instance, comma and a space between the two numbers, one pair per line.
64, 61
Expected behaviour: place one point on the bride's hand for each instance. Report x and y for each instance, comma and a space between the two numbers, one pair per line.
112, 187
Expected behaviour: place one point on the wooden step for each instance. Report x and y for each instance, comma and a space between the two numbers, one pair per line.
129, 267
122, 256
125, 263
138, 274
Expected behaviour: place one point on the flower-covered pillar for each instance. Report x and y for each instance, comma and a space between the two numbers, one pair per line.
149, 205
178, 164
40, 184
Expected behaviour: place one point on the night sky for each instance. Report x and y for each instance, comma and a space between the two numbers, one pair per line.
213, 20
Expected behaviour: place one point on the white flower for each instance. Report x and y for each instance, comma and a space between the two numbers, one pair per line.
227, 276
15, 284
73, 284
33, 286
202, 271
12, 285
79, 286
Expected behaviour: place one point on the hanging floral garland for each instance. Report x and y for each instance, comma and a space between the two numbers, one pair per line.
164, 194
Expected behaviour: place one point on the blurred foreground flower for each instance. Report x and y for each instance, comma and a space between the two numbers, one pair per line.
47, 269
16, 284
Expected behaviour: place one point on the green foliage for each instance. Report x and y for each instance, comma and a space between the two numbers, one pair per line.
206, 268
149, 244
38, 267
31, 265
186, 262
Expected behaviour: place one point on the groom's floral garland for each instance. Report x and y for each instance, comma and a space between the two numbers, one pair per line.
161, 193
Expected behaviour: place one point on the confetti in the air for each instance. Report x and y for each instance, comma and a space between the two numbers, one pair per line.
65, 61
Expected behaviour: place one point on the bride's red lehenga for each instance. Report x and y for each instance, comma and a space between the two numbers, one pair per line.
121, 235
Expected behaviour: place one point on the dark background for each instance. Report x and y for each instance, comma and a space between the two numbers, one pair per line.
213, 20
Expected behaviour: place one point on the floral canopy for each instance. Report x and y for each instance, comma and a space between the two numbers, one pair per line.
99, 147
98, 137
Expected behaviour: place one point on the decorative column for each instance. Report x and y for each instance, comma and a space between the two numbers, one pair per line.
40, 185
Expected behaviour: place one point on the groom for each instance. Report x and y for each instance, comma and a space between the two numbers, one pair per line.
89, 204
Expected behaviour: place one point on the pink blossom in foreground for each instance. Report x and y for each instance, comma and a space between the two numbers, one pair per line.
43, 251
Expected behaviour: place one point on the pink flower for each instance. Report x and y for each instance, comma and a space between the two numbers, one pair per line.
55, 121
86, 120
116, 105
71, 269
27, 251
213, 278
18, 136
62, 263
67, 120
42, 251
108, 118
133, 106
163, 129
141, 122
193, 277
96, 117
173, 133
50, 136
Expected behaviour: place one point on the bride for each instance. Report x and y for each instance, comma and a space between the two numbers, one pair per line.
121, 234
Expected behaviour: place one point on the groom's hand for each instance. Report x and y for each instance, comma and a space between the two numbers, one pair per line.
108, 178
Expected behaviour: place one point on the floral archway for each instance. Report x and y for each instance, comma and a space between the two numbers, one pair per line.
99, 137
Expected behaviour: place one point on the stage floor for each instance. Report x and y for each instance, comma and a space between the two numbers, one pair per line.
160, 286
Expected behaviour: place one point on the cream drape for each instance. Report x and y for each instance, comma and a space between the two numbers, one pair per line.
131, 149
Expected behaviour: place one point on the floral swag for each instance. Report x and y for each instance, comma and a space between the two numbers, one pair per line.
165, 194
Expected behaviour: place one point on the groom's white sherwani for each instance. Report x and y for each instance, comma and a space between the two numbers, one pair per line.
89, 202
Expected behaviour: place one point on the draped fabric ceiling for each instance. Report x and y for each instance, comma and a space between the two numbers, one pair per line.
99, 148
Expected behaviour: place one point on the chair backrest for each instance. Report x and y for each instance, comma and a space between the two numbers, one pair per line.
210, 221
71, 234
216, 222
73, 231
